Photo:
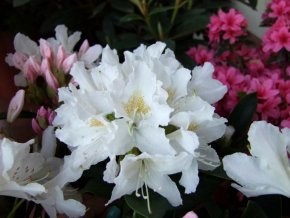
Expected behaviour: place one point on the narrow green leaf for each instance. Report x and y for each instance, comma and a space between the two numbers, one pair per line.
160, 10
253, 210
130, 17
17, 3
122, 5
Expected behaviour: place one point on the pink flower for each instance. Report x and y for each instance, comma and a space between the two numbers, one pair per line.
279, 9
281, 38
232, 20
200, 54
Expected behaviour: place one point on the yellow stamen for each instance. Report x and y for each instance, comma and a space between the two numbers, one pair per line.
95, 123
136, 104
192, 127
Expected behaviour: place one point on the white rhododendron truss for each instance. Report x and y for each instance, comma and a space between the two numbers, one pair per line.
149, 116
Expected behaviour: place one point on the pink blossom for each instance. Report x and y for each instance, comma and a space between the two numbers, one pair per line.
200, 54
278, 9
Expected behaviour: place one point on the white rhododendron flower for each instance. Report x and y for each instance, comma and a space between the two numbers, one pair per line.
267, 171
142, 116
33, 176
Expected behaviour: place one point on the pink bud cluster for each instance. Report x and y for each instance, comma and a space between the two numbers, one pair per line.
52, 59
43, 119
245, 69
227, 26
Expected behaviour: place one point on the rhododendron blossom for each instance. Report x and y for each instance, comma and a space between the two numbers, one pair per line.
123, 110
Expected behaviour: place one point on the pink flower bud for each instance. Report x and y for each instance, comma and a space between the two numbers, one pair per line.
84, 47
190, 214
51, 115
60, 56
19, 60
68, 62
45, 66
15, 106
36, 128
46, 50
51, 80
31, 69
41, 112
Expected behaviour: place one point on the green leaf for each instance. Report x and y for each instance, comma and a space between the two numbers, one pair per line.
253, 3
194, 24
17, 3
127, 41
122, 5
98, 188
253, 210
98, 9
160, 10
159, 205
271, 204
113, 212
242, 115
130, 17
217, 172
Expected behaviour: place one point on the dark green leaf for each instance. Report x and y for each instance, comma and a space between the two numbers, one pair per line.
98, 9
160, 10
271, 204
170, 44
113, 212
98, 188
242, 115
122, 5
130, 17
253, 3
253, 210
194, 24
159, 205
218, 172
17, 3
127, 41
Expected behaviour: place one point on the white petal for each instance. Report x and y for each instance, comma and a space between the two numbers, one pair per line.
153, 141
209, 89
255, 176
208, 158
163, 185
48, 142
186, 140
127, 180
25, 45
267, 142
189, 178
111, 171
92, 54
82, 76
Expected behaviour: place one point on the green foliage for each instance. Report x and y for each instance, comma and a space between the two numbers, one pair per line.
242, 116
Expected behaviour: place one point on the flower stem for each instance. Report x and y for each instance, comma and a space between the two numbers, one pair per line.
17, 204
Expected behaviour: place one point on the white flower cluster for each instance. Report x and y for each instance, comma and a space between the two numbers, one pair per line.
148, 115
33, 176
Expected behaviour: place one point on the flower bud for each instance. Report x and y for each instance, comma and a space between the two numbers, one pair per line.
15, 105
68, 62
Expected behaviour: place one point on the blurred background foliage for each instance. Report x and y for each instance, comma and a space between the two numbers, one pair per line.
123, 24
